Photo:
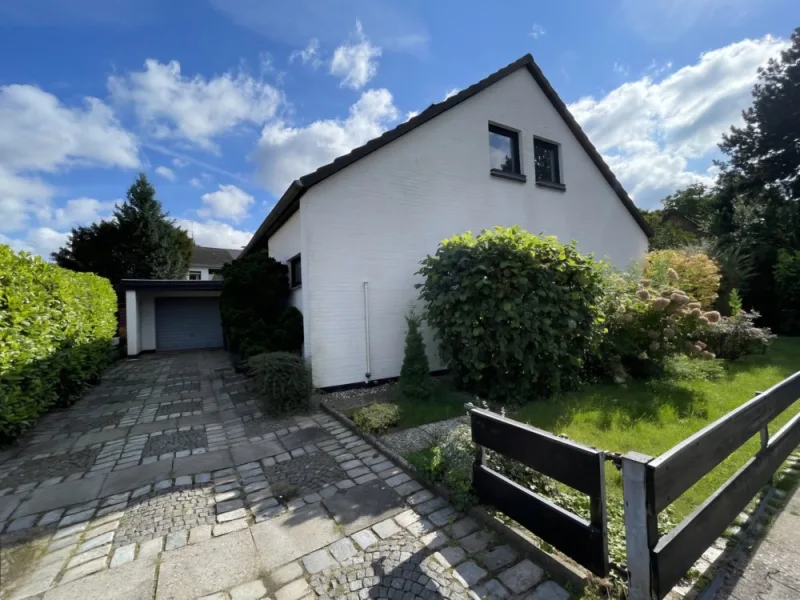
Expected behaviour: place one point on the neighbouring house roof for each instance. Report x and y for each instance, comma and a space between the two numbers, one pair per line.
203, 256
682, 221
290, 200
182, 285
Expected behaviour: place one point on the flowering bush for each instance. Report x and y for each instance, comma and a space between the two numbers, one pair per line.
646, 323
698, 273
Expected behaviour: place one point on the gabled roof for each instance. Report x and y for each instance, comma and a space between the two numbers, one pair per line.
289, 202
213, 257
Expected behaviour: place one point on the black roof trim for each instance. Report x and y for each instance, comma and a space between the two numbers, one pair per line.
178, 285
290, 199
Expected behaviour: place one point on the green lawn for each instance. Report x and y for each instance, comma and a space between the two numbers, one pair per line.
652, 417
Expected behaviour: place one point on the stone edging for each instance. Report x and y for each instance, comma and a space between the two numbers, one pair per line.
558, 569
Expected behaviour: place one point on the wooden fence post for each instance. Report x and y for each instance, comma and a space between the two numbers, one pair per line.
641, 527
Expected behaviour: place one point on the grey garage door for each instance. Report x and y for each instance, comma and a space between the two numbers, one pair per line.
185, 323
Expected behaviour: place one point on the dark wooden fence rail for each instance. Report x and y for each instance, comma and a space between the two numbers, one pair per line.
651, 484
576, 465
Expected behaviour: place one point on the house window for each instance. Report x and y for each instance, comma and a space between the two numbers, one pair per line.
295, 272
548, 169
503, 150
194, 276
215, 274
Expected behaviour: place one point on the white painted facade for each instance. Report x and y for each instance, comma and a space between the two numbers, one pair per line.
204, 274
374, 220
140, 315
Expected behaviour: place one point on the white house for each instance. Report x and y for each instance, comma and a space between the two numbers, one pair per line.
505, 151
206, 263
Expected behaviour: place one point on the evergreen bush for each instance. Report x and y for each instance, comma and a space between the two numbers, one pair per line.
284, 381
56, 327
377, 418
415, 381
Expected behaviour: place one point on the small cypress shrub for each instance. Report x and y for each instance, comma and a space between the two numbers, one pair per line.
284, 380
415, 376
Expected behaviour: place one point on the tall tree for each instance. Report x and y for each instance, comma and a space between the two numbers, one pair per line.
695, 202
666, 234
758, 191
140, 242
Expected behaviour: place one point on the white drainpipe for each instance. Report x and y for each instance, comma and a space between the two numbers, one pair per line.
368, 374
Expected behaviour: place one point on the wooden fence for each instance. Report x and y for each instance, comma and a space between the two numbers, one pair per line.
656, 564
576, 465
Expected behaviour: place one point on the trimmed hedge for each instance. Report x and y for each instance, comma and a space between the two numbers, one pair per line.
56, 327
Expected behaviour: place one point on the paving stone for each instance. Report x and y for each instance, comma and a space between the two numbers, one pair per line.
408, 487
294, 591
136, 477
386, 528
435, 540
230, 526
22, 523
286, 574
54, 516
100, 540
419, 497
549, 590
200, 569
477, 541
239, 513
83, 569
450, 556
442, 516
123, 555
229, 505
421, 527
288, 537
317, 561
492, 590
64, 542
468, 574
364, 538
360, 507
61, 495
342, 549
522, 576
132, 581
430, 506
498, 558
37, 582
396, 480
177, 539
217, 596
151, 547
200, 534
249, 591
365, 478
76, 518
462, 528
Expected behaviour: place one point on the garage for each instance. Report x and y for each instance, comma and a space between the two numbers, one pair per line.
187, 323
172, 315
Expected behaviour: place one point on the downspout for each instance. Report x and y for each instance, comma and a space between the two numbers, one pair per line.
367, 375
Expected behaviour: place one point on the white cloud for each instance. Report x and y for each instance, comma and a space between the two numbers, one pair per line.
194, 109
620, 69
450, 93
356, 63
179, 162
78, 211
40, 240
228, 202
19, 197
537, 31
195, 182
285, 153
649, 130
411, 114
166, 173
215, 234
39, 133
308, 55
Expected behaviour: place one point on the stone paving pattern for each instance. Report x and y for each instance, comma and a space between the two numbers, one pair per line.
303, 509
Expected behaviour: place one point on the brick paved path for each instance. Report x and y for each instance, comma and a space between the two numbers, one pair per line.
167, 482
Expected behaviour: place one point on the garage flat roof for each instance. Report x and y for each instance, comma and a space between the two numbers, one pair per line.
182, 285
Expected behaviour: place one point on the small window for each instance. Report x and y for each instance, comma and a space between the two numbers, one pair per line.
503, 150
295, 272
548, 169
194, 276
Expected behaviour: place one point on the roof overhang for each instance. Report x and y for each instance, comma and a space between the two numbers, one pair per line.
172, 285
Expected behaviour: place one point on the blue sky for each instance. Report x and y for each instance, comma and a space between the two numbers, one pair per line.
223, 102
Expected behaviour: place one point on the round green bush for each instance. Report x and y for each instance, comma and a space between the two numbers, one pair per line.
284, 381
515, 314
377, 418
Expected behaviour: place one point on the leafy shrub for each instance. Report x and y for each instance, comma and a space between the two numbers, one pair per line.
698, 274
515, 314
737, 336
377, 418
254, 307
415, 375
645, 324
457, 455
56, 328
284, 381
787, 283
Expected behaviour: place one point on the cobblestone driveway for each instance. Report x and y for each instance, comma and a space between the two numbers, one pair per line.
167, 482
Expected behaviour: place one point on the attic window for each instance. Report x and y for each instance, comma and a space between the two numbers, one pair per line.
546, 160
504, 150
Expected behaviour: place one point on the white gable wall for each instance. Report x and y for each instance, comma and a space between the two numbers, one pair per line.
376, 219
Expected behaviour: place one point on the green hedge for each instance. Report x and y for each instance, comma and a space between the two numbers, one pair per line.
55, 329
